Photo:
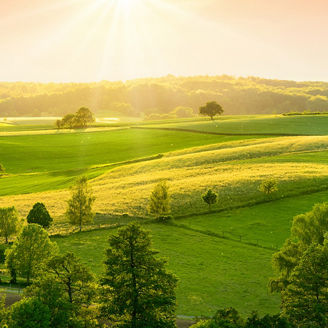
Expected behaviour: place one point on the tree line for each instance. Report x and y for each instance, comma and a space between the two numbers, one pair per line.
144, 97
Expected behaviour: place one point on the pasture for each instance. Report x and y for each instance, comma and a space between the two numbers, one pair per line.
222, 257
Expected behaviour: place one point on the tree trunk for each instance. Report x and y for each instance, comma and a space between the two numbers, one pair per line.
134, 286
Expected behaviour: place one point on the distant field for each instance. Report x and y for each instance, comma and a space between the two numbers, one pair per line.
275, 124
41, 153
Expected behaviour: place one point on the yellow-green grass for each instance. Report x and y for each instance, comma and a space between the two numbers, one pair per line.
226, 168
54, 160
274, 124
43, 153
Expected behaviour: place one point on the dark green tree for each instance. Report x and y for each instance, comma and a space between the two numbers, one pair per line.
305, 300
79, 210
39, 215
138, 291
210, 198
30, 313
159, 204
268, 321
211, 109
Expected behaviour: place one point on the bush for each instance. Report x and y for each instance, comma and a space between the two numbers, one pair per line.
39, 215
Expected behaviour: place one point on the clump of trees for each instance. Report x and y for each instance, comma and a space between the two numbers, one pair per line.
135, 291
40, 215
79, 120
159, 204
79, 208
210, 198
230, 318
211, 109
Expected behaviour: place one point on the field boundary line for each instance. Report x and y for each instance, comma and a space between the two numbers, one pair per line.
225, 134
221, 236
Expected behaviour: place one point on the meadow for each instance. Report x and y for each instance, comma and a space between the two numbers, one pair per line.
260, 124
222, 256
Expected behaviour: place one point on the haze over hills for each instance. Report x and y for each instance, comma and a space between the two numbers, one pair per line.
137, 98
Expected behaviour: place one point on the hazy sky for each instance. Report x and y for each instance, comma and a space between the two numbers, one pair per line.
91, 40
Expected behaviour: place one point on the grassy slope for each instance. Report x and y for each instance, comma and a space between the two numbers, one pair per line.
74, 154
303, 125
229, 168
214, 272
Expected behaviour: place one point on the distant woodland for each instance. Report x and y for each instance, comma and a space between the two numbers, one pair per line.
142, 97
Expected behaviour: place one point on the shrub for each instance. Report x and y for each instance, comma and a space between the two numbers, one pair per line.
39, 215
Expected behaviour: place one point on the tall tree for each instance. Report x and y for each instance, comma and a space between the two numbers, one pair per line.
30, 250
305, 300
159, 204
9, 222
138, 292
39, 215
211, 109
79, 210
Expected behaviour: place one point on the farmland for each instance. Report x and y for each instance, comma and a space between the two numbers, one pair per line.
217, 254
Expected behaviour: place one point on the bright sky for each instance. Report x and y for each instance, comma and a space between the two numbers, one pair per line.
91, 40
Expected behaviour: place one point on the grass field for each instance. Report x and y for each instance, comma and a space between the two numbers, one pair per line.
53, 161
271, 124
222, 258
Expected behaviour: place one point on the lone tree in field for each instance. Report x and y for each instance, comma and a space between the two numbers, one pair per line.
31, 249
9, 222
211, 109
79, 210
268, 186
79, 120
39, 215
138, 291
210, 198
83, 117
159, 205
